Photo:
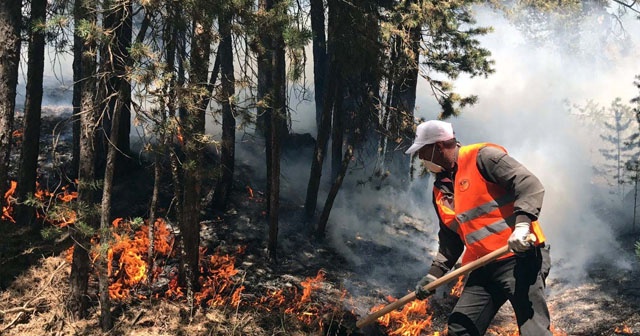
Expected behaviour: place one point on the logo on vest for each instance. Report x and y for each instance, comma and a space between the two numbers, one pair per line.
464, 185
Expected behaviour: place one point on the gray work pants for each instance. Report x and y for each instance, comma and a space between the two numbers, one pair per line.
521, 280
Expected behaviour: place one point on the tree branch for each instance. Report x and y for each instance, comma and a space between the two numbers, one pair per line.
628, 6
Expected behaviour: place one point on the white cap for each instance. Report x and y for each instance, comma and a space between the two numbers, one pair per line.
430, 132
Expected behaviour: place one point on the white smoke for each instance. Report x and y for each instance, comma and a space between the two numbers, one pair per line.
524, 107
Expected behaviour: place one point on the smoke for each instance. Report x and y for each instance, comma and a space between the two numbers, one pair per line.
524, 107
390, 235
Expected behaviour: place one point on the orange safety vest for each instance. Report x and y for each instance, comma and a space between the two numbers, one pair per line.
483, 211
443, 207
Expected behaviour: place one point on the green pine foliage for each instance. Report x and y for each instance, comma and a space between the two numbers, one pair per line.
448, 48
619, 129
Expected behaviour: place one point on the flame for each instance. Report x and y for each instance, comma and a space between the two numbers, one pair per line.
63, 217
179, 135
624, 330
250, 192
302, 306
236, 297
67, 196
17, 133
219, 282
7, 209
130, 250
174, 290
310, 285
41, 193
456, 290
68, 254
274, 298
412, 320
117, 292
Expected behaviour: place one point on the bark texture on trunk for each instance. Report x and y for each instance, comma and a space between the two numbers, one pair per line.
32, 111
116, 88
80, 268
228, 141
106, 319
324, 129
333, 193
194, 146
277, 128
9, 61
319, 56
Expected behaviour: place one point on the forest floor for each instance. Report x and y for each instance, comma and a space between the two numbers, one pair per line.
312, 289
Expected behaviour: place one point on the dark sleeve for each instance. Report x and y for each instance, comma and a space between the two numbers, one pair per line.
498, 167
449, 250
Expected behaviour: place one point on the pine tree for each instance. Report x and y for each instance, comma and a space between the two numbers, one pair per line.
619, 145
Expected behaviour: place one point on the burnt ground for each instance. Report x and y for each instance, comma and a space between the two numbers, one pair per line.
33, 274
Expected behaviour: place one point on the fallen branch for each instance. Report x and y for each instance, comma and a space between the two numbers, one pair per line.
17, 310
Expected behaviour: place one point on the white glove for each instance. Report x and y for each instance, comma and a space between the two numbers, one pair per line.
518, 241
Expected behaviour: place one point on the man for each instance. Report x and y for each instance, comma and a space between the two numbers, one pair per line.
485, 199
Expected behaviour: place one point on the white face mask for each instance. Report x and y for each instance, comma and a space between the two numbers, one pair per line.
432, 167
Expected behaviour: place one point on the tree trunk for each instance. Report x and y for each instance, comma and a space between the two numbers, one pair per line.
81, 266
10, 23
227, 160
194, 147
264, 57
78, 42
324, 130
115, 60
333, 192
315, 174
277, 132
265, 85
106, 320
402, 100
32, 110
153, 207
319, 55
337, 133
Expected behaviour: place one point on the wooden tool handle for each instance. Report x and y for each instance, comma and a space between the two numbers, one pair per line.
439, 282
434, 284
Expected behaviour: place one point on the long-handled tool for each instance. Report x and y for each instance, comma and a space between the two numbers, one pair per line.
437, 283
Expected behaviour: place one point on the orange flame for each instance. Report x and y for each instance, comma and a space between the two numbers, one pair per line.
179, 135
250, 192
174, 290
236, 297
624, 330
274, 298
302, 306
216, 285
412, 320
67, 196
456, 290
130, 249
8, 196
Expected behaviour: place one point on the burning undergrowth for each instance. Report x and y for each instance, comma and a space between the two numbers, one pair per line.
314, 289
240, 292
